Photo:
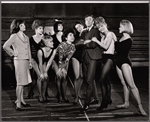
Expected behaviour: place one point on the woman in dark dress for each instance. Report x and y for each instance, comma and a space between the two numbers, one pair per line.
57, 39
76, 59
45, 56
36, 44
58, 29
123, 66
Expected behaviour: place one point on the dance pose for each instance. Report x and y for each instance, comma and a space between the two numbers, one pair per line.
76, 59
57, 39
22, 59
77, 63
108, 44
123, 65
65, 51
35, 44
45, 56
58, 29
92, 55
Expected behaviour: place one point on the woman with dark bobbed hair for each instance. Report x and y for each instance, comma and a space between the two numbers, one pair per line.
65, 51
76, 58
58, 29
22, 58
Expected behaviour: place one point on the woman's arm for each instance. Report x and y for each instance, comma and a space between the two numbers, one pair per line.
40, 60
73, 49
104, 46
108, 40
30, 58
7, 45
50, 61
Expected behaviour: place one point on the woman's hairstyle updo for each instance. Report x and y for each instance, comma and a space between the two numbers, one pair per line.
100, 20
128, 26
14, 27
36, 24
66, 32
57, 22
47, 36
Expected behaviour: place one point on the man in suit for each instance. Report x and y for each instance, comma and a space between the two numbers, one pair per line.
92, 55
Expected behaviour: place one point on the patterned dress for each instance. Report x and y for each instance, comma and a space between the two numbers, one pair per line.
65, 52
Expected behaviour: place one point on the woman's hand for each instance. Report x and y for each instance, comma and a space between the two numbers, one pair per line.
15, 55
59, 73
94, 39
30, 65
64, 73
41, 77
45, 75
87, 41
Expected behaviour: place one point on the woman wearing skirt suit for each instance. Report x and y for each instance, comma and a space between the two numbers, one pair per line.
22, 58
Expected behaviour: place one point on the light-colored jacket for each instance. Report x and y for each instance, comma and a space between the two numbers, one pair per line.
21, 49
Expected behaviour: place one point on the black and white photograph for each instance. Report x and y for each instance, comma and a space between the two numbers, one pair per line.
75, 61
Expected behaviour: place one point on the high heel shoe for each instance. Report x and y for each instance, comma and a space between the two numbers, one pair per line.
109, 102
30, 96
66, 99
76, 100
40, 99
85, 108
45, 99
102, 106
16, 108
25, 105
94, 101
141, 110
60, 100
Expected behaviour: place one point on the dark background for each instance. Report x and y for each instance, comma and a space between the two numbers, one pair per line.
137, 13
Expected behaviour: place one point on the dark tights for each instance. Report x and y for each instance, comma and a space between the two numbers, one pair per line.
105, 82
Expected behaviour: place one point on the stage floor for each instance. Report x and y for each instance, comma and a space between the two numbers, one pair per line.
53, 111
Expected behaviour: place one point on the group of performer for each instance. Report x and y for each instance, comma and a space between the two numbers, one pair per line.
90, 51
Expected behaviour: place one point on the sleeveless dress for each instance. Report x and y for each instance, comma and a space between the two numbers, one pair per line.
56, 43
79, 47
34, 48
46, 59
